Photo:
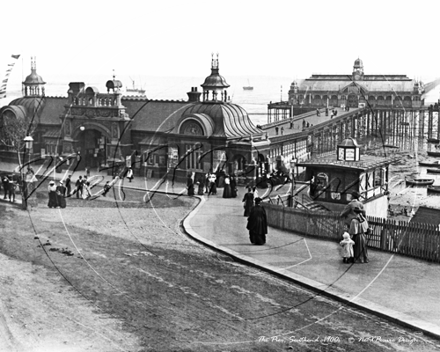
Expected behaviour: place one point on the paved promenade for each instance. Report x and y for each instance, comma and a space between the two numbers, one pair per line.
403, 289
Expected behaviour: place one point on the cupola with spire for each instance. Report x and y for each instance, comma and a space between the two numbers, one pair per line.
33, 85
214, 87
358, 70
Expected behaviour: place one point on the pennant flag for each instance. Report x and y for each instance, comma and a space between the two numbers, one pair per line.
5, 80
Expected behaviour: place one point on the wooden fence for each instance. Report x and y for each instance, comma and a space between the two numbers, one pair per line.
410, 239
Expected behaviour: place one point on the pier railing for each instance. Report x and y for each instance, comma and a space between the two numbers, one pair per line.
410, 239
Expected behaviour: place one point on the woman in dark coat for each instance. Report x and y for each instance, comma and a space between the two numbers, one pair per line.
358, 229
248, 200
201, 185
257, 223
190, 185
233, 186
61, 195
227, 188
53, 199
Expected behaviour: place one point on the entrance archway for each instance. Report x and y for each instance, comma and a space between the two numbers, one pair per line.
91, 145
353, 101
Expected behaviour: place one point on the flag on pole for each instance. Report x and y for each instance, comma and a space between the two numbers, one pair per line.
5, 80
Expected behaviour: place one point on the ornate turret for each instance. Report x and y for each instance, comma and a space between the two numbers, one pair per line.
358, 69
215, 84
33, 85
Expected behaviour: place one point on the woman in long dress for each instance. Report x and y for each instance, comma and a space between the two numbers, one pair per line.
248, 200
358, 229
227, 188
233, 186
257, 224
52, 190
61, 195
190, 185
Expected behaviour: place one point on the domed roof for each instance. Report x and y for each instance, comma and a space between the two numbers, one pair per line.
230, 120
32, 105
358, 63
33, 79
214, 80
349, 142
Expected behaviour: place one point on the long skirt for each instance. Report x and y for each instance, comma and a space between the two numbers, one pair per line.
227, 191
256, 238
360, 248
53, 200
61, 200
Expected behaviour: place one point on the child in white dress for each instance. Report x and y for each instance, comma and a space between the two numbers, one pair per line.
347, 248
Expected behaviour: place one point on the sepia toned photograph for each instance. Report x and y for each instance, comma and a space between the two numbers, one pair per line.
227, 176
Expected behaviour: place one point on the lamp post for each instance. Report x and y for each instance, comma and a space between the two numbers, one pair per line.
292, 188
28, 140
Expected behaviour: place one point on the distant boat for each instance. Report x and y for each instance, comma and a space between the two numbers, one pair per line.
433, 171
433, 189
420, 182
248, 87
135, 90
431, 164
437, 154
391, 146
433, 140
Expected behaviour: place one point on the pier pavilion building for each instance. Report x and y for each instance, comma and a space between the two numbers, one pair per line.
103, 129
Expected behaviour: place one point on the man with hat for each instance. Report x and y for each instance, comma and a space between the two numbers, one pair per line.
257, 223
348, 213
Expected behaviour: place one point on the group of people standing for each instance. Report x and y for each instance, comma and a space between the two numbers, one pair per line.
9, 187
354, 241
57, 195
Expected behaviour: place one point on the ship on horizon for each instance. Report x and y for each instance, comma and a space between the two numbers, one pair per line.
248, 87
134, 89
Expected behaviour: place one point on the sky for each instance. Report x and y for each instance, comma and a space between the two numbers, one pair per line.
253, 38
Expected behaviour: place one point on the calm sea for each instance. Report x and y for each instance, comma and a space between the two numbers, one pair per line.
266, 89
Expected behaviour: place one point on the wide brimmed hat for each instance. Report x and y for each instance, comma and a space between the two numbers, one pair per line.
52, 182
258, 200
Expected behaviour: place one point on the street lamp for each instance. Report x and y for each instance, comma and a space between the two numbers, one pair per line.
28, 140
292, 188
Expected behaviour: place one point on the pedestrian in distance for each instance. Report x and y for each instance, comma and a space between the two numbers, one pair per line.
257, 224
61, 195
86, 194
347, 251
190, 185
200, 185
106, 188
212, 185
227, 187
68, 185
52, 192
248, 200
5, 183
358, 229
12, 186
130, 174
233, 186
79, 187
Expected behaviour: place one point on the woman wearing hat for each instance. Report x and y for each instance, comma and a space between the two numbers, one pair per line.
53, 200
257, 223
348, 213
358, 229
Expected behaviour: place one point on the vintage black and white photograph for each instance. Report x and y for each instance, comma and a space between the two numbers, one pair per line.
219, 176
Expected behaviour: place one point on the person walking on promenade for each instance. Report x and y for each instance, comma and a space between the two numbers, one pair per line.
61, 195
79, 187
248, 200
130, 174
348, 213
190, 185
52, 190
11, 190
358, 229
68, 185
5, 183
257, 224
347, 248
201, 185
233, 186
86, 194
212, 185
227, 187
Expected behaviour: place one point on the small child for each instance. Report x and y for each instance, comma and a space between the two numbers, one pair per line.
347, 248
